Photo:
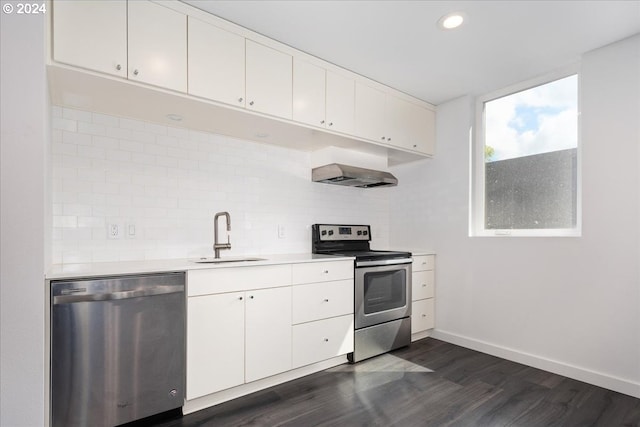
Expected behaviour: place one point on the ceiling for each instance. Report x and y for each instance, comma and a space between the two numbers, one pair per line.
398, 43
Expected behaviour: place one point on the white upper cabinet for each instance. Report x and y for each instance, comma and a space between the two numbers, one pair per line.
423, 123
309, 93
340, 103
388, 119
370, 113
322, 98
268, 80
157, 45
91, 34
171, 45
216, 63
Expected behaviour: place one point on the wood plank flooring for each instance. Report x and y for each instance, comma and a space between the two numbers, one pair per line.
430, 383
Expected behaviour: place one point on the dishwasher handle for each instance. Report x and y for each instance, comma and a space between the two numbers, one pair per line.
110, 296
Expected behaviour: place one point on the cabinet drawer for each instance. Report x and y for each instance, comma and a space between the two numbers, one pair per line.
321, 340
218, 280
322, 300
422, 285
423, 262
422, 315
322, 271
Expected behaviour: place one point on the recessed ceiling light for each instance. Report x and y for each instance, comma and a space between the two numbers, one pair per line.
174, 117
451, 21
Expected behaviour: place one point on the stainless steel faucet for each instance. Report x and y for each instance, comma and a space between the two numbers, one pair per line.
217, 246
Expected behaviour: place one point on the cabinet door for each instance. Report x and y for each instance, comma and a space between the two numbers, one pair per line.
157, 45
423, 130
91, 34
423, 262
422, 315
268, 80
216, 63
422, 284
308, 93
324, 271
267, 332
369, 113
321, 340
340, 101
398, 115
322, 300
215, 343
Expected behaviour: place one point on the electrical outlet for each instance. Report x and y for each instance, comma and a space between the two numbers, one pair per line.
114, 231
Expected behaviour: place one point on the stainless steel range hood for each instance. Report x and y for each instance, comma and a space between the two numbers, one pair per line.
352, 176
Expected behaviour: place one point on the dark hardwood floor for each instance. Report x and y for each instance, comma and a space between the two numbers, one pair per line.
430, 383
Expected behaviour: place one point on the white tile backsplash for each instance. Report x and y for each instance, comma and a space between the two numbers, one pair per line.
169, 182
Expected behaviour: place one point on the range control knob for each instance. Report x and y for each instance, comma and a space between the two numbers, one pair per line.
359, 232
330, 232
365, 232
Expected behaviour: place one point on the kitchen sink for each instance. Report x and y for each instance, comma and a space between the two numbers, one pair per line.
212, 260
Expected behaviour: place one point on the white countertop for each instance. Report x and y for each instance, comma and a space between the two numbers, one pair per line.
73, 271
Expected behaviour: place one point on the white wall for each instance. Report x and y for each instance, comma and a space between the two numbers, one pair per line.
169, 182
569, 305
23, 152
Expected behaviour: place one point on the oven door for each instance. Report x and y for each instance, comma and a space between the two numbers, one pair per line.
382, 294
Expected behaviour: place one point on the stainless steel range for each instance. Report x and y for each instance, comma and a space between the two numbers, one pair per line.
382, 286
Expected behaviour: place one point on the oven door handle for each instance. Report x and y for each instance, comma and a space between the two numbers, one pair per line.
383, 262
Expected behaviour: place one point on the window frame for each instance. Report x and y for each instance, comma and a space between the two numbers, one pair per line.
477, 163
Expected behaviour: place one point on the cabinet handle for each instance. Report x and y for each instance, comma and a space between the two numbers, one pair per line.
321, 122
388, 139
240, 99
251, 297
326, 300
331, 124
326, 340
135, 72
251, 103
424, 315
415, 145
383, 138
118, 67
326, 271
240, 298
424, 285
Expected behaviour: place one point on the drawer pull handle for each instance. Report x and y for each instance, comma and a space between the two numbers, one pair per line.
240, 298
326, 340
326, 300
326, 271
424, 315
424, 285
251, 297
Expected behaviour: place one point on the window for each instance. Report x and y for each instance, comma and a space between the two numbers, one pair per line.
526, 160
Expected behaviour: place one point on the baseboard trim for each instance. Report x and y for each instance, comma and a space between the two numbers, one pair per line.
599, 379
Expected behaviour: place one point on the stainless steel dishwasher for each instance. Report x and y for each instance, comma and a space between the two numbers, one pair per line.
117, 348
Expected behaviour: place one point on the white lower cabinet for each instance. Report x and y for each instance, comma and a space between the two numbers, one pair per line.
237, 337
267, 333
422, 296
321, 340
322, 311
245, 324
422, 315
215, 343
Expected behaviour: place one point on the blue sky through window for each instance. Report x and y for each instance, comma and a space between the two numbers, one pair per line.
537, 120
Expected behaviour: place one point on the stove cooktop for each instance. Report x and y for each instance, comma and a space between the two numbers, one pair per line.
370, 255
349, 240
